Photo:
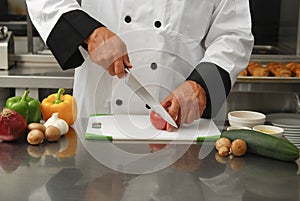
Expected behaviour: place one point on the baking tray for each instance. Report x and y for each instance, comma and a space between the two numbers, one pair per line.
271, 79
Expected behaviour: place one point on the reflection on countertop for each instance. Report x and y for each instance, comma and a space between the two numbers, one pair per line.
66, 171
20, 153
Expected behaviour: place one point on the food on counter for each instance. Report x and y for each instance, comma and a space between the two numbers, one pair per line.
35, 137
65, 148
278, 69
270, 130
223, 151
52, 134
57, 122
158, 122
238, 147
225, 147
223, 142
36, 133
38, 126
265, 145
65, 105
256, 69
55, 127
12, 125
28, 107
52, 130
294, 67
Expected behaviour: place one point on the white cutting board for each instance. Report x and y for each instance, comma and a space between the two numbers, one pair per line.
139, 127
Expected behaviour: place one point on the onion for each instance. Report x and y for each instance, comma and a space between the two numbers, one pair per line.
12, 125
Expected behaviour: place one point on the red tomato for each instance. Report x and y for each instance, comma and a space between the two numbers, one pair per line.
157, 121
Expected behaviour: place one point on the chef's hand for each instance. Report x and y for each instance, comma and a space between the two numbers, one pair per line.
186, 103
108, 50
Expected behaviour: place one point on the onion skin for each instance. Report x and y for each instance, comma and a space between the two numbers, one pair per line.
12, 125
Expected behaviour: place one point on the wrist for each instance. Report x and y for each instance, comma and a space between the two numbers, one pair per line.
200, 94
94, 34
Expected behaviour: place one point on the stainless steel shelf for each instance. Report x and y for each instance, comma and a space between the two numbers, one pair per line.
36, 82
36, 77
255, 84
275, 80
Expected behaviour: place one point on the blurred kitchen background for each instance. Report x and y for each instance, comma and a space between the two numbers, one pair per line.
26, 62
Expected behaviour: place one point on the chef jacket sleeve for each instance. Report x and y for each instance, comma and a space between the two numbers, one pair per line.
228, 45
68, 34
216, 83
64, 26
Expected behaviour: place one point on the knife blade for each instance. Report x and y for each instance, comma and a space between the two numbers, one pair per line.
147, 97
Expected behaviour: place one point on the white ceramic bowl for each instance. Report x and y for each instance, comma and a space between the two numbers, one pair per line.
238, 128
246, 118
270, 130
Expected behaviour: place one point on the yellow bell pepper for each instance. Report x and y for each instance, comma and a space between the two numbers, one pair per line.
65, 105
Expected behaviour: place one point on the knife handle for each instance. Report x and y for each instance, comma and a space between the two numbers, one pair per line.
126, 70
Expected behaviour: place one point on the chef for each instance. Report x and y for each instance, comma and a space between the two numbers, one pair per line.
187, 53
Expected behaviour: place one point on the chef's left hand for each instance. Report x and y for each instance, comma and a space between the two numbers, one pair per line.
186, 103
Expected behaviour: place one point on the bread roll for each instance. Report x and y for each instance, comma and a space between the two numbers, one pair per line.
294, 67
278, 69
243, 73
256, 69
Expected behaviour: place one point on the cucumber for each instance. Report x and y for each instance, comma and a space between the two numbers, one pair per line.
265, 145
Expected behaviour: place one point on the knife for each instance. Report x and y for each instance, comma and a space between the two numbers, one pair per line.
147, 97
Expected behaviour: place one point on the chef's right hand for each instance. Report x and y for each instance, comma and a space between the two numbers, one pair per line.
108, 50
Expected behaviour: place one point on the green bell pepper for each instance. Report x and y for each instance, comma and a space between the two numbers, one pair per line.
28, 107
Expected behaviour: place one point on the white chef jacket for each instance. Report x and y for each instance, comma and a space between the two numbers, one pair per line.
166, 40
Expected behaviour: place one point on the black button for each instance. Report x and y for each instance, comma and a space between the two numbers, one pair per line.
157, 24
119, 102
153, 66
148, 107
127, 19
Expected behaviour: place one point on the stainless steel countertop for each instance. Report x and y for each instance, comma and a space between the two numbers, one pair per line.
67, 171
